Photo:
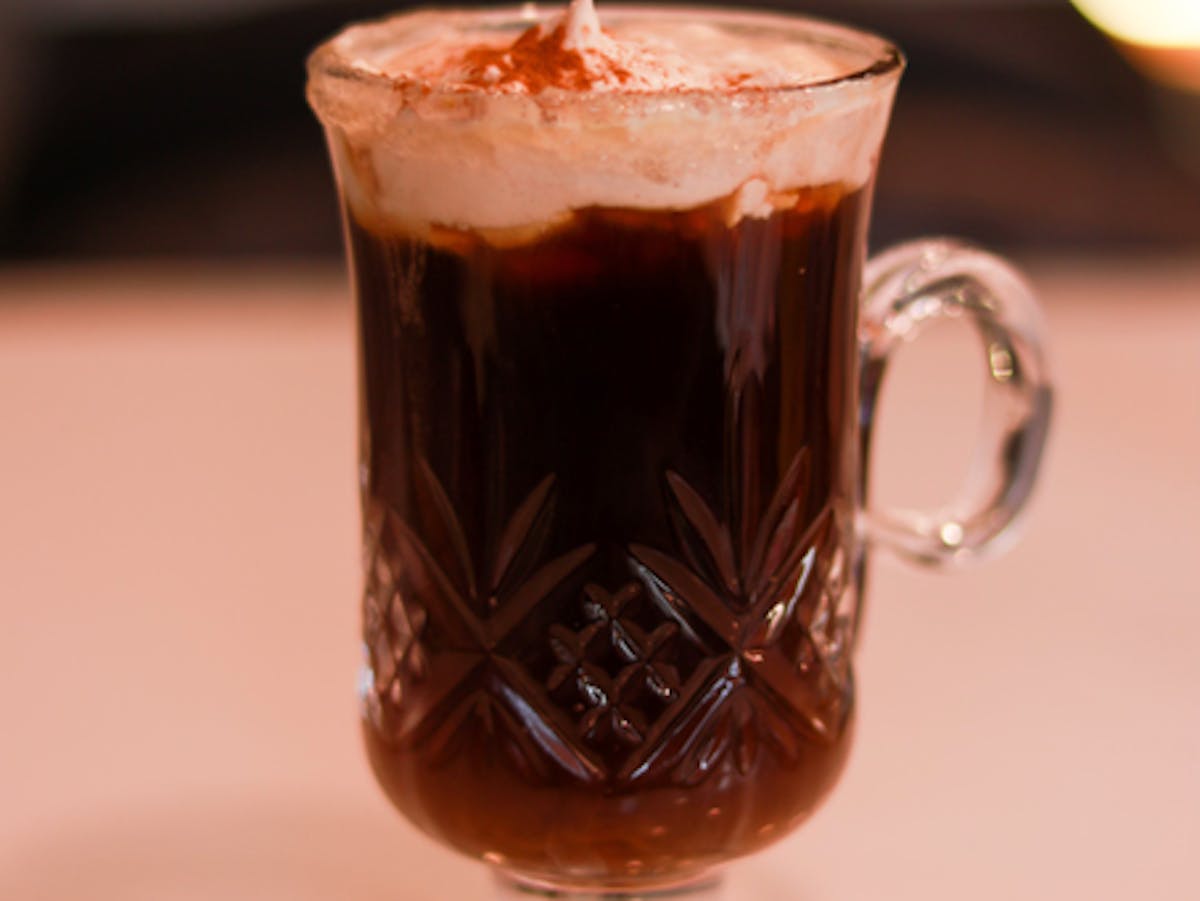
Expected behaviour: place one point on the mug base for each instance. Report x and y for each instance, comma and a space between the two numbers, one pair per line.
704, 887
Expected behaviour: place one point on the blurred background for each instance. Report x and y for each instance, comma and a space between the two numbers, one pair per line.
137, 128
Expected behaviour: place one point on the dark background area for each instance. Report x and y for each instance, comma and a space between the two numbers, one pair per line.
135, 130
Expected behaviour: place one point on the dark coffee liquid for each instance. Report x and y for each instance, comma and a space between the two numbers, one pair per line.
609, 483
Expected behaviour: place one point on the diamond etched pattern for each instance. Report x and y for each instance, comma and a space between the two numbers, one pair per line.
471, 609
392, 628
691, 665
764, 680
615, 675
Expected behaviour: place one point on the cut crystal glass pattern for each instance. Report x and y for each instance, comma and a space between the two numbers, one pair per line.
697, 663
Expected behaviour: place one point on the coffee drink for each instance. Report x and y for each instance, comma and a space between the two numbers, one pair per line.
608, 489
608, 284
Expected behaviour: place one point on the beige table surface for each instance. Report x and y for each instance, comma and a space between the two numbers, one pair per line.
178, 615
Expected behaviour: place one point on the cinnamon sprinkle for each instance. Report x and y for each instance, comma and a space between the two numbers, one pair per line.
536, 61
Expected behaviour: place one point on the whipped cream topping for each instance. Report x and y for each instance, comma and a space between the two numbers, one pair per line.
582, 25
507, 122
575, 53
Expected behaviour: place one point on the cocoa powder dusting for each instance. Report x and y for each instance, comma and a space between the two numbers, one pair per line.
537, 61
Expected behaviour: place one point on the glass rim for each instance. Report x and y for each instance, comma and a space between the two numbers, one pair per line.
882, 60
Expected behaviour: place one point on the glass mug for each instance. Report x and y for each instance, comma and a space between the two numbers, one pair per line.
619, 356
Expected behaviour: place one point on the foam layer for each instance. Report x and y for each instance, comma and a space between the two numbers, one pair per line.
576, 54
506, 123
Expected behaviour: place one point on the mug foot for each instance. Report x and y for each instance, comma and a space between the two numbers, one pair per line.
706, 887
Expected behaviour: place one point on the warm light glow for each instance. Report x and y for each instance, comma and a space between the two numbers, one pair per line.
1160, 23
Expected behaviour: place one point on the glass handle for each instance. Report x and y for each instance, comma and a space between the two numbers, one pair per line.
906, 289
